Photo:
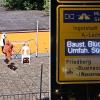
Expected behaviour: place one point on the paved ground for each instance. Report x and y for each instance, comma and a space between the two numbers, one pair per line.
23, 20
26, 78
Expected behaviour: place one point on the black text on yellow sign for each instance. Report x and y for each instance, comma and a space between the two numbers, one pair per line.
78, 44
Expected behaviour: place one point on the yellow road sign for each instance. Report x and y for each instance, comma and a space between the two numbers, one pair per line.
79, 1
78, 44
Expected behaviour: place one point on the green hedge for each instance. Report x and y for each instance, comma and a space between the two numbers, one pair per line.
26, 4
46, 5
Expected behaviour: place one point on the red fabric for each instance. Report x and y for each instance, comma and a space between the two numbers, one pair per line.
8, 49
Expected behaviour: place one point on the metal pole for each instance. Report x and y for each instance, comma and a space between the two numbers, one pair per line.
41, 80
37, 40
88, 97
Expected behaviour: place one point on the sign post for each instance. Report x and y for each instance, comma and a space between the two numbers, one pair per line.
78, 44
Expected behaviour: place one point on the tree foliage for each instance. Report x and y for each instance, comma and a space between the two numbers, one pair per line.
26, 4
46, 5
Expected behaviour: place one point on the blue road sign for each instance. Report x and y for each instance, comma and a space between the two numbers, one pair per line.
75, 47
81, 16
